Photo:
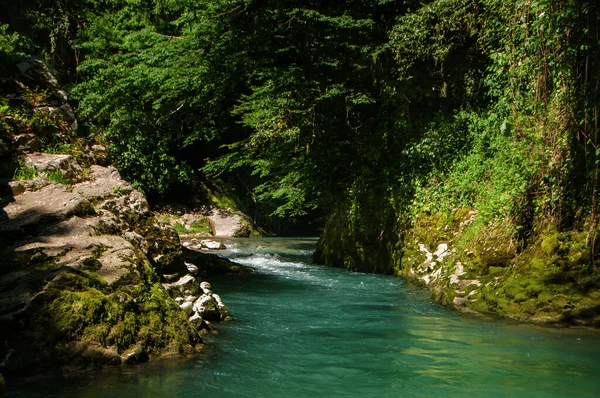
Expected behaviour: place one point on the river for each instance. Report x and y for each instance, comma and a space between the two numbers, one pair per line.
302, 330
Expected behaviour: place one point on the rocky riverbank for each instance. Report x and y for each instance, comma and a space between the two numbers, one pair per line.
91, 277
480, 268
207, 220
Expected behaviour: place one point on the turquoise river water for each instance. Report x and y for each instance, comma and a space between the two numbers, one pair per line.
302, 330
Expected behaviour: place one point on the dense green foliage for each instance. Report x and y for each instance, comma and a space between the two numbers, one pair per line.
377, 111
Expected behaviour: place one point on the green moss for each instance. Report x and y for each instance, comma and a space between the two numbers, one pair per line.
430, 230
550, 281
85, 208
247, 230
124, 333
223, 198
200, 227
344, 244
2, 386
180, 228
550, 243
79, 307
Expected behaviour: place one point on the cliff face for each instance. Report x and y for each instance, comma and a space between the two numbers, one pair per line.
80, 283
476, 267
89, 276
483, 268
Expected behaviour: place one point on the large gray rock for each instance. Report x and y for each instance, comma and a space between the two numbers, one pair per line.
38, 72
226, 222
30, 211
187, 307
104, 182
196, 320
19, 186
46, 162
59, 241
75, 243
212, 245
125, 206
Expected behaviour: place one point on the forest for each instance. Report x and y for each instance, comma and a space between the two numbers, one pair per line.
393, 126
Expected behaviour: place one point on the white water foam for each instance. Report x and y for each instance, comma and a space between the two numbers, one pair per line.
273, 264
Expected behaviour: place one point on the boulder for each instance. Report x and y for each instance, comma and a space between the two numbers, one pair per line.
227, 223
64, 111
206, 288
205, 303
74, 243
212, 245
206, 327
31, 211
184, 286
129, 206
46, 162
19, 186
196, 320
188, 307
207, 307
26, 142
71, 253
192, 269
104, 182
135, 355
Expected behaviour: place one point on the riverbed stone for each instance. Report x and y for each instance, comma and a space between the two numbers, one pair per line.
135, 355
196, 320
459, 301
188, 307
205, 303
187, 283
206, 287
212, 245
192, 268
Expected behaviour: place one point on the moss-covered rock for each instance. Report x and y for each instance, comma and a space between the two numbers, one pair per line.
85, 285
83, 255
211, 264
348, 246
79, 320
480, 267
2, 387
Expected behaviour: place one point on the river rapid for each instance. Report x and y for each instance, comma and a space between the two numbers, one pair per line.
302, 330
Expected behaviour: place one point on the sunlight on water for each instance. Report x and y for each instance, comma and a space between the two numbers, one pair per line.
302, 330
